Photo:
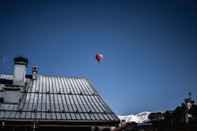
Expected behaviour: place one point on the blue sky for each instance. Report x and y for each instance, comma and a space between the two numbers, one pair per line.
149, 46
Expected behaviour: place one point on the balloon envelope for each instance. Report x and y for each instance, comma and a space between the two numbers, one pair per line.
99, 57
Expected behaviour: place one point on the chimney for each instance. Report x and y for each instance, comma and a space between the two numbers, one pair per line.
20, 65
34, 72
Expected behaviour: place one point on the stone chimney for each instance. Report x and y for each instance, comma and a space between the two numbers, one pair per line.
20, 65
12, 93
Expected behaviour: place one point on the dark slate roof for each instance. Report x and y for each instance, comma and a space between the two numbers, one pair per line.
66, 99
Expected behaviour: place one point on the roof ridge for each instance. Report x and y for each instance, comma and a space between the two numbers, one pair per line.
43, 75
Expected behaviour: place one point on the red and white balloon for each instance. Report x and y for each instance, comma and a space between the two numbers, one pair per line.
99, 57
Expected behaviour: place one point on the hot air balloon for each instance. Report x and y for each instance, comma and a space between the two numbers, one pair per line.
99, 57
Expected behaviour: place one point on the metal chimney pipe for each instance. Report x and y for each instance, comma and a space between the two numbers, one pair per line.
34, 72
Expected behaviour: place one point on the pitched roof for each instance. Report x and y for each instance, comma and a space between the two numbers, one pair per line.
65, 99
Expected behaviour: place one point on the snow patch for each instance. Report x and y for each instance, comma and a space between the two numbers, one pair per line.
138, 118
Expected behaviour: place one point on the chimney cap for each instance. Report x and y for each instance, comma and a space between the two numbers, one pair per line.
34, 67
21, 60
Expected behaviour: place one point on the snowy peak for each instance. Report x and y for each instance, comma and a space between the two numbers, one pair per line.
138, 118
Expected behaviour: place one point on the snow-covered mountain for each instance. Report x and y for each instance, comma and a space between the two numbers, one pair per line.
138, 118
